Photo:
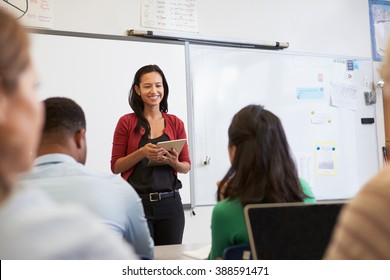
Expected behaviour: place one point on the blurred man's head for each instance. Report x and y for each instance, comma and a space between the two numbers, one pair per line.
20, 110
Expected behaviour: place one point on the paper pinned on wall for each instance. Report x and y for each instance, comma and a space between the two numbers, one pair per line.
33, 13
39, 14
310, 93
305, 167
180, 15
320, 118
344, 96
325, 159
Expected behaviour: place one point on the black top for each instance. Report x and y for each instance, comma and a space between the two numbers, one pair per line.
146, 179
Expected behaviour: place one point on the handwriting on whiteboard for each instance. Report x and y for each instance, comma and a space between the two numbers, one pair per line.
344, 96
180, 15
34, 13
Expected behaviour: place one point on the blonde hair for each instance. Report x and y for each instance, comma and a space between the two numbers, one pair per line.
14, 51
384, 70
14, 59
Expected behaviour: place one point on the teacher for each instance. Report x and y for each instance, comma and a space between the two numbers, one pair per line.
134, 144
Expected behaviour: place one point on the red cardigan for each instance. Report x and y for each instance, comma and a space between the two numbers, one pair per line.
126, 140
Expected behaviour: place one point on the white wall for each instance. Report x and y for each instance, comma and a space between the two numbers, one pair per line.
328, 26
322, 26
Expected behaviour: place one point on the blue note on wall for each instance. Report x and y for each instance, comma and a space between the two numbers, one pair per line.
310, 93
356, 64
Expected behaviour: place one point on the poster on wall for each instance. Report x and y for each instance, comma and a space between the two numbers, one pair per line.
325, 159
32, 13
380, 27
178, 15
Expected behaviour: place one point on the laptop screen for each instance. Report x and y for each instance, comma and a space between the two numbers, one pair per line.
290, 231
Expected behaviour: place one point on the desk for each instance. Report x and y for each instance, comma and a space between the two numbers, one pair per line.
175, 252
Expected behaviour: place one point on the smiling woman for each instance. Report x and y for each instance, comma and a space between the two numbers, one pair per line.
134, 144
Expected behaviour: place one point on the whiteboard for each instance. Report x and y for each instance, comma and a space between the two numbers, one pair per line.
97, 73
226, 79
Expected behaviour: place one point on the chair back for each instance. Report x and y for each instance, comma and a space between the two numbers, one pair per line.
290, 231
237, 252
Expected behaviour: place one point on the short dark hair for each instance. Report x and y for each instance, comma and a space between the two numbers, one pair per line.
63, 116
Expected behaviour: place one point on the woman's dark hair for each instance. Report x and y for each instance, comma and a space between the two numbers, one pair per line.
263, 170
136, 102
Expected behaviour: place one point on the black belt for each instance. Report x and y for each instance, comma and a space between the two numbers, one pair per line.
157, 196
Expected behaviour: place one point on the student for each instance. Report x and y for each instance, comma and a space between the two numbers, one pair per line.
31, 225
59, 170
263, 171
363, 228
134, 142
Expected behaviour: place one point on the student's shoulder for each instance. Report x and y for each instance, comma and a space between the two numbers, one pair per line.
377, 188
100, 181
379, 179
227, 205
307, 191
226, 211
73, 232
92, 241
111, 181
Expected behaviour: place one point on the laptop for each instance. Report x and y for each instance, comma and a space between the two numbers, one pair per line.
290, 231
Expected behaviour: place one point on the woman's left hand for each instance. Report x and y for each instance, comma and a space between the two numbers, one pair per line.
170, 157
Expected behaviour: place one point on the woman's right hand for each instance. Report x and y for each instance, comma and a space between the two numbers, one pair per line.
152, 152
149, 151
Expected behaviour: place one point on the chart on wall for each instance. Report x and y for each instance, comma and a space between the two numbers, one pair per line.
325, 104
33, 13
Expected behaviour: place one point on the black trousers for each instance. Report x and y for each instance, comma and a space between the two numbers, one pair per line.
165, 220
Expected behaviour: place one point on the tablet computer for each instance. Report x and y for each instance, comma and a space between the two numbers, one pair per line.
169, 145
